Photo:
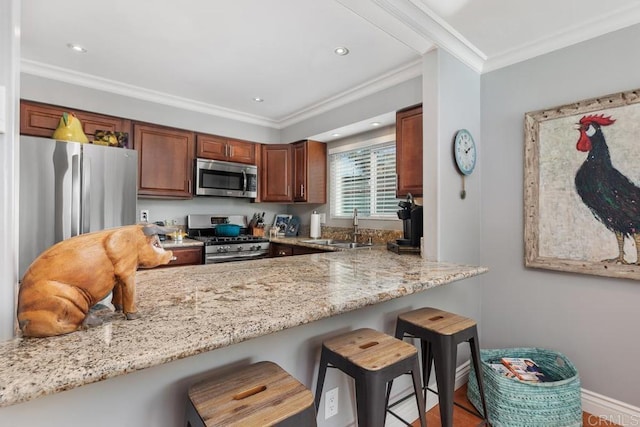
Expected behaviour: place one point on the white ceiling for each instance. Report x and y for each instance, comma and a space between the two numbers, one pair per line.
215, 56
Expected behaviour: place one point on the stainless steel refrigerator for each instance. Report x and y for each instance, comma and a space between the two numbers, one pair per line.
68, 188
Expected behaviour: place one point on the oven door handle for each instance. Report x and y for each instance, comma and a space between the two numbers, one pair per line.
212, 258
244, 182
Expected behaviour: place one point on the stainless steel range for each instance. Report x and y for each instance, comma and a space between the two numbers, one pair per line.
226, 249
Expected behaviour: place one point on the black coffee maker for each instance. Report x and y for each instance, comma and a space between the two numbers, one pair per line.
411, 216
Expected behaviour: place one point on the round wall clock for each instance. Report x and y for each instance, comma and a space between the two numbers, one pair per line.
464, 150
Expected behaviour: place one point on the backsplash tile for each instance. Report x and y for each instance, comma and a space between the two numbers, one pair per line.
346, 233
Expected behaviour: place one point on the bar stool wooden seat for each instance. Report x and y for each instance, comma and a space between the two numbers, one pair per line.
372, 359
440, 332
262, 394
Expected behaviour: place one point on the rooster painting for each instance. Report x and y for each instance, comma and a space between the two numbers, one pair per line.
612, 198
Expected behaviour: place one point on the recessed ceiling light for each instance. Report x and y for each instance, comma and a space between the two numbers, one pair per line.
258, 99
335, 134
342, 51
375, 124
76, 47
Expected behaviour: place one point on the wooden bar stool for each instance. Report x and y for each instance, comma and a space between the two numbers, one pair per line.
372, 359
262, 394
440, 332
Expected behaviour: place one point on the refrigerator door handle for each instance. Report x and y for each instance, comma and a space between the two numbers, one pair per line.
85, 212
75, 195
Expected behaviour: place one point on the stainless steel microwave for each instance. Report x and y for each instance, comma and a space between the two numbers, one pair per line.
218, 178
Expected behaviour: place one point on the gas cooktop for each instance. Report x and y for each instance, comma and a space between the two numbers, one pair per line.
214, 240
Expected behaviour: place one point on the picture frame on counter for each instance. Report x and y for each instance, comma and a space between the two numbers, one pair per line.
281, 222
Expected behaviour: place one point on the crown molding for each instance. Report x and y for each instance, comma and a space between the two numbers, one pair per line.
385, 81
94, 82
397, 76
417, 26
603, 24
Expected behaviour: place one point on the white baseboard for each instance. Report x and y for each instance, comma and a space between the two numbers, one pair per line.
601, 407
611, 410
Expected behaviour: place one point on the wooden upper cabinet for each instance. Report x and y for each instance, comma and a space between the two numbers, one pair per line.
294, 172
275, 174
309, 172
37, 119
409, 151
165, 161
227, 149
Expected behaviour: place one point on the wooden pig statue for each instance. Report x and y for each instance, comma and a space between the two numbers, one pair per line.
70, 277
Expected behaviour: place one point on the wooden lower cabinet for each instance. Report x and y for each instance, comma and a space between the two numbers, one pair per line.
185, 256
283, 249
37, 119
165, 161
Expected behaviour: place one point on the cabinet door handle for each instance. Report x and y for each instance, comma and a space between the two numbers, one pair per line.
226, 150
230, 151
282, 253
301, 190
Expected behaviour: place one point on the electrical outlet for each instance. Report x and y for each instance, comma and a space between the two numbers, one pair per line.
323, 218
144, 215
331, 403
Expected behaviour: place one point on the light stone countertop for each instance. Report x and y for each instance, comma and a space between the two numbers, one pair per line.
193, 309
185, 243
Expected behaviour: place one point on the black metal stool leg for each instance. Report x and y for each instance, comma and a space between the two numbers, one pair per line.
415, 376
375, 403
445, 363
427, 362
475, 357
322, 371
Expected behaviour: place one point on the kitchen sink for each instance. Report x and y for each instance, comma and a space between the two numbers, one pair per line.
337, 243
319, 241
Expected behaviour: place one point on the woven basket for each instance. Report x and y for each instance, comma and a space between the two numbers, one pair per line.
514, 403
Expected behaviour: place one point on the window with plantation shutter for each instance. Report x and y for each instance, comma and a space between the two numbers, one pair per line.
365, 178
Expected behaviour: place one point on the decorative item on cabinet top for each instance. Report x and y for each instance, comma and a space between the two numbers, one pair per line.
69, 129
112, 139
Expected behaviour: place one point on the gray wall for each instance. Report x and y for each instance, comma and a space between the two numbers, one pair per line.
451, 93
592, 320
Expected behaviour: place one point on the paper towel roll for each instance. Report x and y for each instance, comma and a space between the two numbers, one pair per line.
315, 226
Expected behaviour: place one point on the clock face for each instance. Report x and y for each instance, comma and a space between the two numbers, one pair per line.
464, 150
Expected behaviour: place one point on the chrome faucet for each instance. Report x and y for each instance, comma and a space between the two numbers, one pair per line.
355, 225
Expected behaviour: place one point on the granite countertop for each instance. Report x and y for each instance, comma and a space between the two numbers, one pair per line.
185, 243
193, 309
304, 241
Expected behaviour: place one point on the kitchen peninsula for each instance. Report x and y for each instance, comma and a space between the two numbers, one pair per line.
194, 309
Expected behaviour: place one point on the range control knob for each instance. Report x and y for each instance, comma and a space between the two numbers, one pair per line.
239, 249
